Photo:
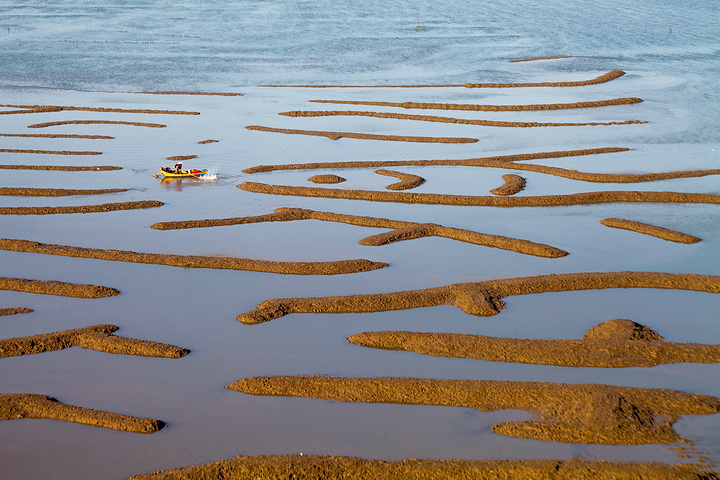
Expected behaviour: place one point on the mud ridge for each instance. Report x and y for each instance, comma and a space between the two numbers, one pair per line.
326, 179
219, 94
65, 168
570, 413
480, 298
363, 136
60, 108
283, 467
49, 152
489, 108
655, 231
57, 135
538, 58
14, 311
182, 157
401, 230
587, 198
459, 121
105, 207
56, 192
618, 343
53, 287
96, 337
15, 406
96, 122
407, 181
209, 140
195, 261
513, 184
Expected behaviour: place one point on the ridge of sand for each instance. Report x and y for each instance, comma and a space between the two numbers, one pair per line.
14, 311
655, 231
96, 122
57, 135
60, 108
56, 192
65, 168
407, 181
538, 58
362, 136
331, 179
49, 152
53, 287
513, 184
105, 207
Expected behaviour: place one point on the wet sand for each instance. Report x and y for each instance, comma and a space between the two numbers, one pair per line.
49, 152
56, 192
533, 59
60, 108
618, 343
362, 136
407, 181
96, 122
513, 184
329, 179
53, 287
14, 311
653, 230
65, 168
105, 207
57, 135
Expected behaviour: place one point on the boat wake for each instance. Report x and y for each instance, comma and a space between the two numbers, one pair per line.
211, 176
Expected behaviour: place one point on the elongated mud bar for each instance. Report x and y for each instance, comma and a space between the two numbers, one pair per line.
653, 230
481, 298
53, 287
105, 207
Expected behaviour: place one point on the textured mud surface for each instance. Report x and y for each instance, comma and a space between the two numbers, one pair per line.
49, 152
330, 179
611, 344
55, 192
655, 231
97, 337
96, 122
316, 467
537, 58
363, 136
481, 298
60, 108
105, 207
26, 405
64, 168
52, 287
14, 311
407, 181
513, 184
584, 413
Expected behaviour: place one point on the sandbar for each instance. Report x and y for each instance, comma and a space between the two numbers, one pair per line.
538, 58
407, 181
64, 168
513, 184
105, 207
96, 122
362, 136
489, 108
653, 230
53, 287
59, 108
14, 311
329, 179
56, 192
49, 152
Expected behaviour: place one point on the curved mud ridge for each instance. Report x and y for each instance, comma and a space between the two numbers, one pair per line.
407, 181
401, 230
105, 207
283, 467
655, 231
63, 168
618, 343
588, 198
219, 94
480, 298
14, 311
362, 136
459, 121
209, 140
582, 413
538, 58
15, 406
181, 157
330, 179
56, 192
49, 152
53, 287
96, 337
57, 135
60, 108
489, 108
195, 261
96, 122
513, 184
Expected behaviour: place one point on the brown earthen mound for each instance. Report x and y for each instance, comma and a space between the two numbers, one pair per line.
14, 311
52, 287
481, 298
105, 207
49, 152
401, 230
57, 135
55, 192
220, 94
655, 231
209, 140
617, 343
363, 136
95, 122
537, 58
407, 181
195, 261
513, 184
59, 108
326, 179
571, 413
316, 467
182, 157
97, 337
66, 168
27, 405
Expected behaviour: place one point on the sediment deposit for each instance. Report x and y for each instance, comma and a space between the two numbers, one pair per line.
538, 58
105, 207
60, 108
56, 192
655, 231
96, 122
331, 179
52, 287
513, 184
14, 311
407, 181
49, 152
363, 136
488, 108
64, 168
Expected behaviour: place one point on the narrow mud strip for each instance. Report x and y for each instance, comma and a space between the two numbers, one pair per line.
181, 157
64, 168
14, 311
363, 136
407, 181
283, 467
195, 261
458, 121
329, 179
537, 58
49, 152
470, 162
481, 298
96, 337
209, 140
401, 230
60, 108
582, 413
219, 94
105, 207
56, 192
618, 343
659, 232
96, 122
15, 406
513, 184
57, 135
52, 287
607, 77
587, 198
489, 108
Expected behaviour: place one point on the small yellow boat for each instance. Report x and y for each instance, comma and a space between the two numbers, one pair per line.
167, 172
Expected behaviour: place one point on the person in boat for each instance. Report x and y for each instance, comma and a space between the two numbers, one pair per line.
178, 167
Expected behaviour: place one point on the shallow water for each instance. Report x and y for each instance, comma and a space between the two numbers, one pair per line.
93, 54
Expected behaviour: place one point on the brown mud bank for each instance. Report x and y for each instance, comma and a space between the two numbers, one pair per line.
49, 152
53, 287
195, 261
328, 179
570, 413
218, 94
513, 184
655, 231
56, 192
26, 405
401, 230
96, 122
407, 181
362, 136
60, 108
588, 198
480, 298
96, 337
14, 311
105, 207
317, 467
62, 168
533, 59
57, 135
616, 343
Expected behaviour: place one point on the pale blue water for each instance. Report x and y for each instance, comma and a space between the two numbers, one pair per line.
94, 54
